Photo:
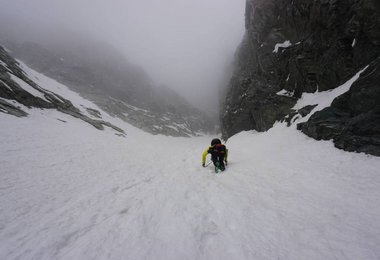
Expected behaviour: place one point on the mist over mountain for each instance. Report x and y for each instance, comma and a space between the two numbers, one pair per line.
102, 74
289, 49
182, 44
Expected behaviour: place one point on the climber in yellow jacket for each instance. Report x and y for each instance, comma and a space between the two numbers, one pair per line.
219, 154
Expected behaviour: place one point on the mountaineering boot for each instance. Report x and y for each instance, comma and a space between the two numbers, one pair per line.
217, 167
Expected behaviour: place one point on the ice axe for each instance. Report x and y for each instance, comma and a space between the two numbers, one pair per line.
208, 164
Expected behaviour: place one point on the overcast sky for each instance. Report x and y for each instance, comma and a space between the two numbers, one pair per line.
184, 44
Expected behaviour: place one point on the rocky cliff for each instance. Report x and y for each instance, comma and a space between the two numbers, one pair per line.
302, 47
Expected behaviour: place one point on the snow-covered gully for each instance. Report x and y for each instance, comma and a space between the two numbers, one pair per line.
69, 191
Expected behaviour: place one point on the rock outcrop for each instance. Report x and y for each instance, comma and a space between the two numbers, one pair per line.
353, 119
17, 89
303, 46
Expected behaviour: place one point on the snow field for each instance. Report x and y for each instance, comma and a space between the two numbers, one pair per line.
69, 191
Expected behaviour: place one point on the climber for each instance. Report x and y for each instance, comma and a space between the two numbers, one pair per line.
219, 154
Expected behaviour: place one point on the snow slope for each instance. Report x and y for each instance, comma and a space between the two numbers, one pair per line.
70, 191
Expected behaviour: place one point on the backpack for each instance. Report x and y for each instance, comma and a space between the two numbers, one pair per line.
218, 148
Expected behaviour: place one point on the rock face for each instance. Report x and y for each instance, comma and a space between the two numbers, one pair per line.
353, 119
301, 46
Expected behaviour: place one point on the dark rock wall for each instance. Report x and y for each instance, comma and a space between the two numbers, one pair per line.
353, 119
329, 42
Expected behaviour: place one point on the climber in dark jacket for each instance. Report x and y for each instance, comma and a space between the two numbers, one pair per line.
219, 154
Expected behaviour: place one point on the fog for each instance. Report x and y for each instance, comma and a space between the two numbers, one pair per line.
186, 45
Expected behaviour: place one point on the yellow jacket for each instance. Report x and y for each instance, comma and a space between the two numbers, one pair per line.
204, 155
